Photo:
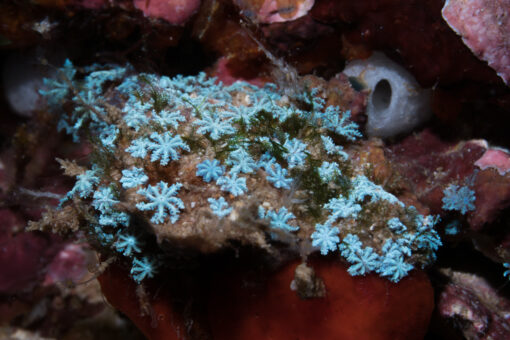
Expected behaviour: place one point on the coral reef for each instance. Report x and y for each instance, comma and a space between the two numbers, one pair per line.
188, 165
46, 289
233, 170
482, 26
174, 12
471, 302
433, 166
262, 160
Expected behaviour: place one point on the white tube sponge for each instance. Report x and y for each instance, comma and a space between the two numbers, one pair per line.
396, 103
22, 77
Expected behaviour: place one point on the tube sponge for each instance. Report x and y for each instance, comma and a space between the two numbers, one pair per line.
396, 103
21, 78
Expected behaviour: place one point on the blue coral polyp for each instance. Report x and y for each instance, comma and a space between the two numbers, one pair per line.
174, 139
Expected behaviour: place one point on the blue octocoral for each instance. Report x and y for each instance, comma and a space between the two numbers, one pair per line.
143, 268
214, 124
85, 184
277, 176
162, 200
219, 207
278, 220
132, 178
233, 184
165, 147
210, 170
459, 198
295, 153
104, 199
127, 245
240, 133
325, 237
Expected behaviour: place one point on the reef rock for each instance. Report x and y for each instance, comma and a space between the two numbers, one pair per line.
474, 307
484, 27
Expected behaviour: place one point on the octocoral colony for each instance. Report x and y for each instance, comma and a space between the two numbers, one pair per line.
237, 138
248, 169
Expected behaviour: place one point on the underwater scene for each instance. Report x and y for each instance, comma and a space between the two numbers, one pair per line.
254, 169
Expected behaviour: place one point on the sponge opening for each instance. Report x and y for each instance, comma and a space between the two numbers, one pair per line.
381, 97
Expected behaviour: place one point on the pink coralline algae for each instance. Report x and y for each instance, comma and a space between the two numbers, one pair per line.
497, 159
484, 26
176, 12
70, 264
280, 11
272, 11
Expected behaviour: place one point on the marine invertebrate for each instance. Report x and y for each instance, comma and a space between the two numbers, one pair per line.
394, 267
127, 245
396, 103
209, 170
215, 125
332, 148
236, 186
452, 228
144, 268
339, 122
165, 147
459, 198
364, 260
219, 207
104, 199
84, 185
275, 165
161, 199
278, 220
271, 11
135, 114
397, 226
495, 158
372, 307
341, 207
325, 237
241, 161
277, 176
507, 271
328, 171
131, 178
295, 152
58, 87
